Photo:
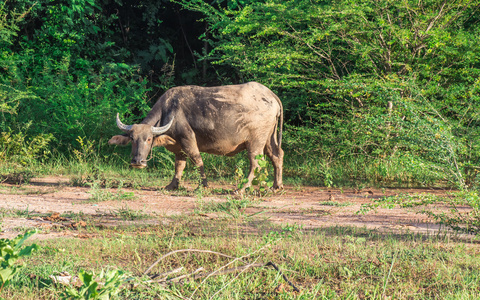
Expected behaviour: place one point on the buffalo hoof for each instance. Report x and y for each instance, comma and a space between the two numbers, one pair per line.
203, 186
240, 191
172, 186
201, 189
278, 187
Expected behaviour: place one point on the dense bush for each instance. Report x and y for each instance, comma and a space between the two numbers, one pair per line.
392, 81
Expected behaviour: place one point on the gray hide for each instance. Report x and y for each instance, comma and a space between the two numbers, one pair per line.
220, 120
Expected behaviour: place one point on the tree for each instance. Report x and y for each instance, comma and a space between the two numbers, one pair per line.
361, 77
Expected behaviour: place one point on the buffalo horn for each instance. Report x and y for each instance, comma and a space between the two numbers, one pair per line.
163, 129
122, 126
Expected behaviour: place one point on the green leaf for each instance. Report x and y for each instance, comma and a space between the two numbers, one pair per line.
85, 277
28, 250
7, 274
23, 238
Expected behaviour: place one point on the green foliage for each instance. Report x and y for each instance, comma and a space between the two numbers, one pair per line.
261, 178
8, 25
381, 79
17, 147
10, 97
10, 252
78, 102
66, 60
91, 289
86, 150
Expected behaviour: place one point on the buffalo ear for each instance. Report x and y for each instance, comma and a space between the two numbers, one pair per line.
163, 140
119, 140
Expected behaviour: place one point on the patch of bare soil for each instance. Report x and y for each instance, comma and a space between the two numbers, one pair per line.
311, 207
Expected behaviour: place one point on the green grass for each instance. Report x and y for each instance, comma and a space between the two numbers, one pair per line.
233, 206
335, 203
128, 214
112, 169
327, 263
357, 171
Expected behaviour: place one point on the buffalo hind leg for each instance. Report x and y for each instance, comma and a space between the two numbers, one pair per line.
252, 153
275, 153
180, 163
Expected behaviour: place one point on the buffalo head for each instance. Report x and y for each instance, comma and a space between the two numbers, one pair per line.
143, 137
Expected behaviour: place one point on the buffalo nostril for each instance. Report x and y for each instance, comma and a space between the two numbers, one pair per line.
138, 161
138, 164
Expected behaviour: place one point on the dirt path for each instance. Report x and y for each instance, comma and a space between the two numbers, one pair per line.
310, 207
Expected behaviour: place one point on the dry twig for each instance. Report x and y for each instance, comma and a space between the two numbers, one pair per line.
184, 250
163, 276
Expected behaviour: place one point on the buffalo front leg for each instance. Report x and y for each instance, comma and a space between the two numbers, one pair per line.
195, 156
198, 161
180, 163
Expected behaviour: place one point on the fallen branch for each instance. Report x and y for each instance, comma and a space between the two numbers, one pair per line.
224, 286
163, 276
228, 271
224, 266
177, 279
283, 275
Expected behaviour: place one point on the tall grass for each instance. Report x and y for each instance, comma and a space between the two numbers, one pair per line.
352, 171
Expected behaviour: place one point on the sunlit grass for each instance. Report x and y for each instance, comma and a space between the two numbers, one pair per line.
327, 263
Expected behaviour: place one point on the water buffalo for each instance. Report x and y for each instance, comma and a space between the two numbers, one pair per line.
220, 120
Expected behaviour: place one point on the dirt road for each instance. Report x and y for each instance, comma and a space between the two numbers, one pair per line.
311, 207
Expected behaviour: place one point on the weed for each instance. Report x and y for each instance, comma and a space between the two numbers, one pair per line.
129, 214
121, 195
25, 213
10, 252
18, 148
99, 194
261, 179
112, 282
335, 203
86, 151
233, 207
74, 215
239, 175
